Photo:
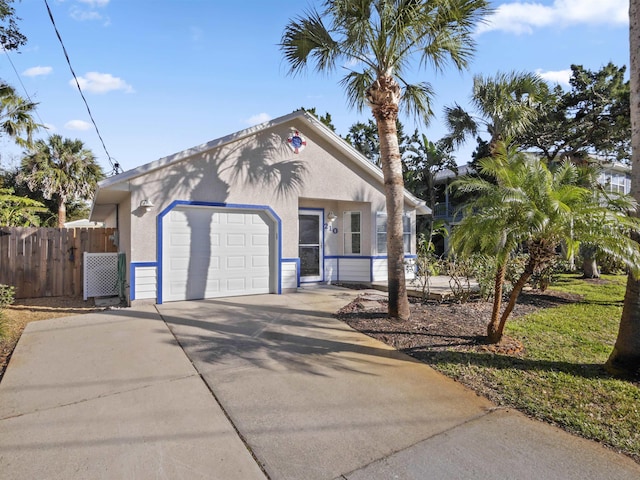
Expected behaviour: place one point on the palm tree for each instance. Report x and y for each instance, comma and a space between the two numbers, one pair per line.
15, 116
505, 104
625, 357
523, 202
377, 41
62, 169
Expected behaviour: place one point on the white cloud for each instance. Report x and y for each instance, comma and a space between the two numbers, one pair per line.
37, 71
561, 77
523, 17
88, 11
95, 3
77, 125
84, 15
96, 82
259, 118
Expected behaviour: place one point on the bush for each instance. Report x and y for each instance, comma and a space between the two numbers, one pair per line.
549, 275
7, 296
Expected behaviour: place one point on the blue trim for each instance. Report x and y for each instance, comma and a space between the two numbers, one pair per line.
132, 276
190, 203
297, 262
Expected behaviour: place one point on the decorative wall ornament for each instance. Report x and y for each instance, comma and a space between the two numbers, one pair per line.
296, 142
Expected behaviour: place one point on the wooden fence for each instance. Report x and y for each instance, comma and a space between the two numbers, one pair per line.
48, 262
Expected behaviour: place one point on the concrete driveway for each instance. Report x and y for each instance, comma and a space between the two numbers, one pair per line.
314, 399
270, 387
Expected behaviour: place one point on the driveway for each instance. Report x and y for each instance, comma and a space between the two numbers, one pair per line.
314, 399
270, 387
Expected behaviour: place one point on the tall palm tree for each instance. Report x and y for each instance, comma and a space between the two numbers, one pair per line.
16, 119
378, 41
62, 169
523, 202
625, 357
505, 105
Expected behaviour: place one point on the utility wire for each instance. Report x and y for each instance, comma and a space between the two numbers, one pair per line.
114, 164
23, 87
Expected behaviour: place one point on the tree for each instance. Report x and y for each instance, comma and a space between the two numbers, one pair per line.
15, 116
525, 202
10, 36
18, 211
15, 112
625, 357
379, 39
63, 170
324, 119
592, 118
505, 105
364, 138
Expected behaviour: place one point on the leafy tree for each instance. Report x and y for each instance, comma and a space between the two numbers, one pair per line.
18, 211
526, 203
325, 119
381, 38
364, 138
424, 160
505, 107
592, 118
10, 36
625, 357
63, 169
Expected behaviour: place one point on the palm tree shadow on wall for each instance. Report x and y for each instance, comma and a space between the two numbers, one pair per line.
256, 162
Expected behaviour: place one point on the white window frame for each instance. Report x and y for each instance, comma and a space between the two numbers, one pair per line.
349, 233
381, 235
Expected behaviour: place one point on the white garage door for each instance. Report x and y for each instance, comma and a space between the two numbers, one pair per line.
214, 252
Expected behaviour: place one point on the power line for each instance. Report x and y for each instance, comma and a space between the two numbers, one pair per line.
23, 87
114, 164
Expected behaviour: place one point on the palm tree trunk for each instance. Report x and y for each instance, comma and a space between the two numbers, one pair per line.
625, 357
513, 298
494, 334
383, 97
62, 213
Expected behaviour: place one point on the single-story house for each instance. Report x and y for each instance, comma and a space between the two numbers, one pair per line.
263, 210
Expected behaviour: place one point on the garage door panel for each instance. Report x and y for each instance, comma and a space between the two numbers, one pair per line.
236, 262
236, 240
210, 252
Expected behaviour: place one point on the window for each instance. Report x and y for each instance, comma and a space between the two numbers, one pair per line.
381, 232
352, 233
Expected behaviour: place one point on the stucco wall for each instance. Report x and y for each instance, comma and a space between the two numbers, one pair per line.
258, 170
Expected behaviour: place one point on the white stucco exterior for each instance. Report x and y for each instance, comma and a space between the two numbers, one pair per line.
256, 170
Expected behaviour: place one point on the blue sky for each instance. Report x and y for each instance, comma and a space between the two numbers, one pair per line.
162, 76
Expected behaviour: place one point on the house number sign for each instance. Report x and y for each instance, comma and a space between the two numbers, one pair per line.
331, 229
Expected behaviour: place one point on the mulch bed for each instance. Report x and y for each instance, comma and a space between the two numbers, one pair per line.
445, 326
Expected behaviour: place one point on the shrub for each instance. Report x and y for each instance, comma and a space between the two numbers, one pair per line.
7, 296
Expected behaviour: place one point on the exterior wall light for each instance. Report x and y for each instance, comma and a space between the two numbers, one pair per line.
331, 217
146, 204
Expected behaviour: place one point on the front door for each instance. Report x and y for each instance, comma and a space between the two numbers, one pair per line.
310, 245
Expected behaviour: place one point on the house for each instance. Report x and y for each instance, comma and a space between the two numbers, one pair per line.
263, 210
613, 176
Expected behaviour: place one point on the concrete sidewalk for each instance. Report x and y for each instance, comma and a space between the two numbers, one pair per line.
289, 389
111, 395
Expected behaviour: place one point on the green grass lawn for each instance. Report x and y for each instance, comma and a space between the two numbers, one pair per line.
560, 378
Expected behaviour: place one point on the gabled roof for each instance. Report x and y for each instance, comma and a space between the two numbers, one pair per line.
114, 189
